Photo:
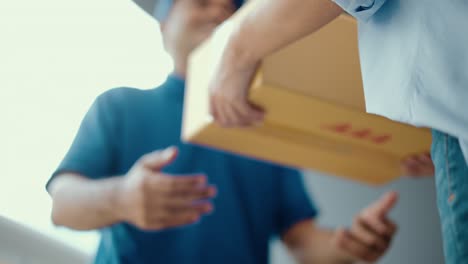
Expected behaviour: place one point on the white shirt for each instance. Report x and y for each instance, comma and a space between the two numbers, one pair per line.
414, 60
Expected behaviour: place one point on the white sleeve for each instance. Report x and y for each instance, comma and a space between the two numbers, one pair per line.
362, 10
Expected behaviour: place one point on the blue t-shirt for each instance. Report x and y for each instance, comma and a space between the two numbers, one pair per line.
255, 201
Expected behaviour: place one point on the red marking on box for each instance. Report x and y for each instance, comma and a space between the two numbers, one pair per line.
341, 128
382, 139
363, 133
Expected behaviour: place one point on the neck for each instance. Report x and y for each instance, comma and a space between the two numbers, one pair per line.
180, 67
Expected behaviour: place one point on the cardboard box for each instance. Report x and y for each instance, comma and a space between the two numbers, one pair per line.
313, 95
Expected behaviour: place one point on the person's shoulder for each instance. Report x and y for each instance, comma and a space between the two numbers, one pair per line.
122, 96
119, 94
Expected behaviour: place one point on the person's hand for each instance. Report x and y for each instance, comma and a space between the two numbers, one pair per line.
229, 90
152, 200
418, 166
371, 233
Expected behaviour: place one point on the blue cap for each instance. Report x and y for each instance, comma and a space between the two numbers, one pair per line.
160, 9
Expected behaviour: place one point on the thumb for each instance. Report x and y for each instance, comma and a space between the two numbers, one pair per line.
385, 204
157, 160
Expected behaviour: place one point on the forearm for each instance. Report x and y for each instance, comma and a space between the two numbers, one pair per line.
84, 204
311, 244
274, 24
321, 249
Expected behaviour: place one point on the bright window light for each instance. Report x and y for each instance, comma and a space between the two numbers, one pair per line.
56, 57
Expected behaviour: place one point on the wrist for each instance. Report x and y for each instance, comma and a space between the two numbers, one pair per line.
345, 258
118, 204
239, 54
340, 255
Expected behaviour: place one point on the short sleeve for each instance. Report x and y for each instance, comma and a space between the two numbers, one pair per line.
362, 10
92, 151
295, 205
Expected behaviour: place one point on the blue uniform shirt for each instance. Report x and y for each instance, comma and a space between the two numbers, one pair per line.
255, 200
414, 60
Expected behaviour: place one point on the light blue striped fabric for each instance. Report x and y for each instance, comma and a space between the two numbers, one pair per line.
361, 9
414, 59
162, 8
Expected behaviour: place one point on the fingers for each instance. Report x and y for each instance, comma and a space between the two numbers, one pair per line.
372, 231
172, 201
231, 117
181, 184
384, 228
375, 217
191, 186
181, 192
202, 193
229, 94
418, 165
248, 113
426, 158
169, 219
367, 235
169, 216
157, 160
368, 239
188, 211
214, 111
347, 242
183, 200
382, 207
235, 112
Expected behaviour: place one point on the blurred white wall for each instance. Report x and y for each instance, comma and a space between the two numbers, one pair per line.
56, 57
22, 245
